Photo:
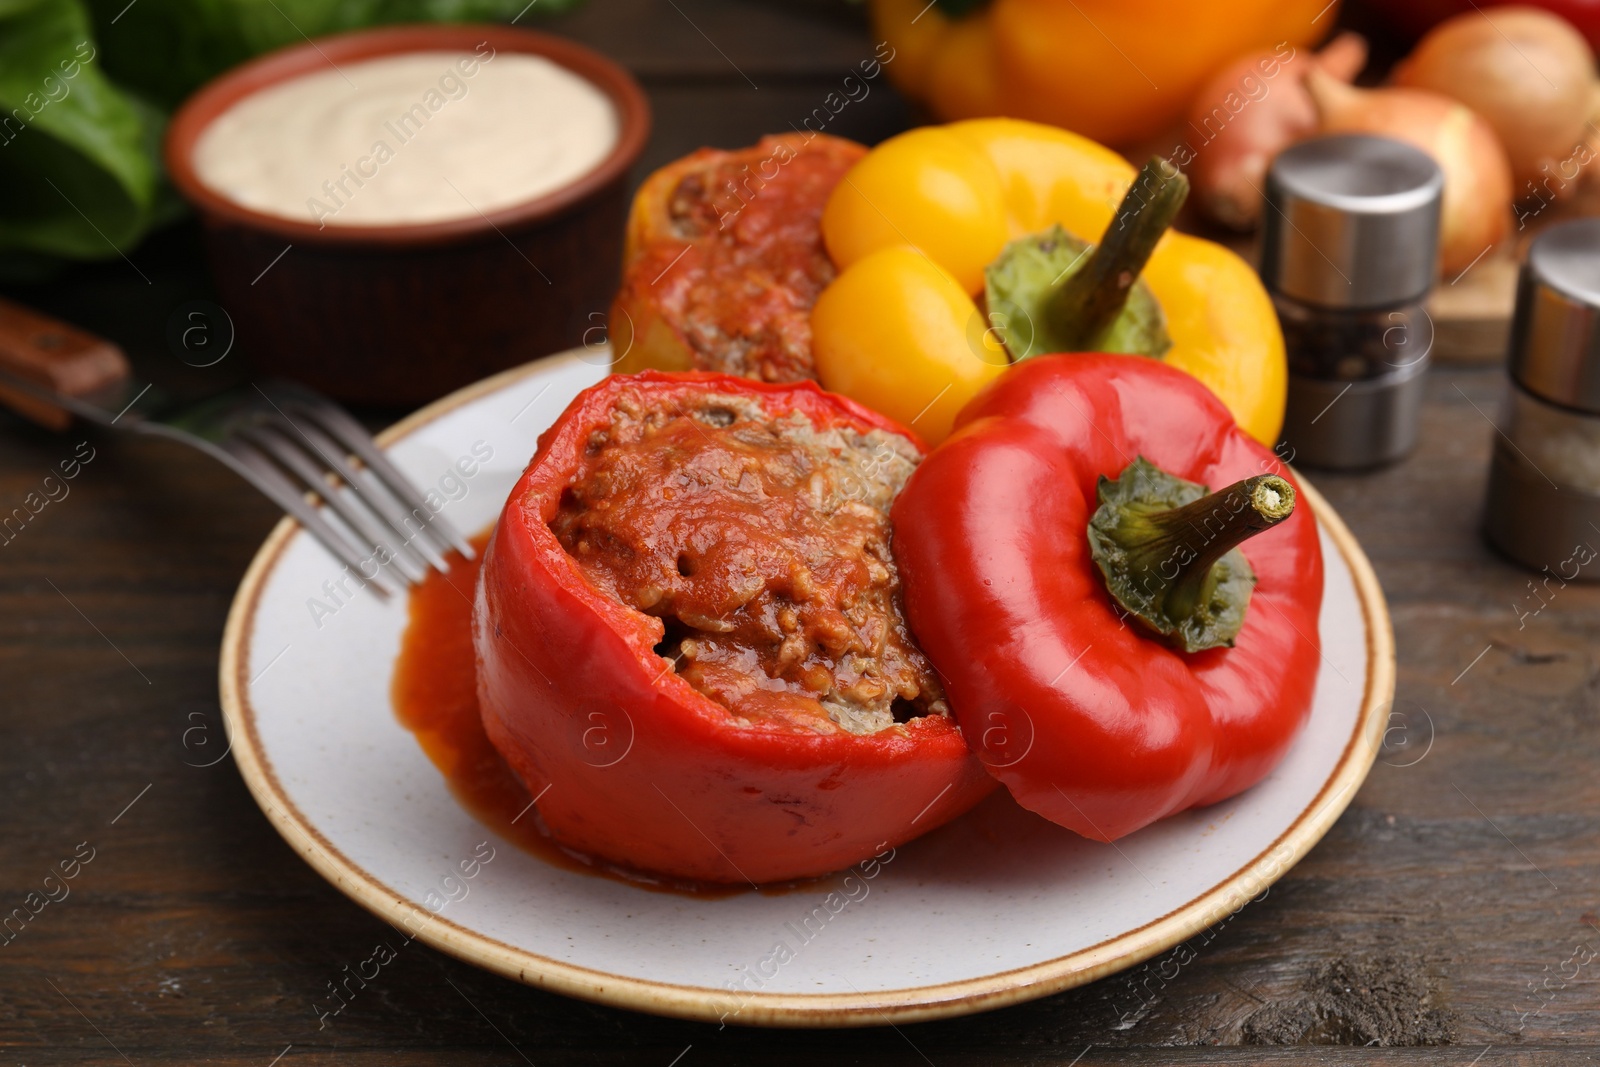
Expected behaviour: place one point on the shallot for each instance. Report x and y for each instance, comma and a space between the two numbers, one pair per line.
1249, 112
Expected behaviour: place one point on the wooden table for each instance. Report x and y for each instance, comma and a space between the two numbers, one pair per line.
1448, 909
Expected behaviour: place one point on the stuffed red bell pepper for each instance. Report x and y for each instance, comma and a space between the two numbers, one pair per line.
690, 638
1111, 652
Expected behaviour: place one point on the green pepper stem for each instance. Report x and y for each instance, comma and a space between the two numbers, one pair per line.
1194, 537
1093, 296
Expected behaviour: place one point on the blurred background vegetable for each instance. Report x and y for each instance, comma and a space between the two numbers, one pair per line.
1415, 17
83, 92
1477, 177
1248, 119
1529, 74
70, 137
1116, 71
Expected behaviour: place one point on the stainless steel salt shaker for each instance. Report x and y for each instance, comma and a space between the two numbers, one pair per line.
1350, 238
1544, 480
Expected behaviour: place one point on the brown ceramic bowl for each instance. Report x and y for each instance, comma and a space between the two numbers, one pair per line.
397, 315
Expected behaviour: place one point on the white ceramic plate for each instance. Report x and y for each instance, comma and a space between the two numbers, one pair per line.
996, 908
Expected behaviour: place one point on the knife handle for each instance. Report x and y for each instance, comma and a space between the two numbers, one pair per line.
57, 356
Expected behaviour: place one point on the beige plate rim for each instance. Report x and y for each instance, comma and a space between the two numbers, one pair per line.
802, 1009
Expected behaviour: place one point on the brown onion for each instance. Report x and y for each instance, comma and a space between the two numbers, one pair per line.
1527, 72
1477, 177
1249, 112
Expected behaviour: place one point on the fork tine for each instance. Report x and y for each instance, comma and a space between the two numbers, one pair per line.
281, 446
350, 433
376, 496
260, 471
285, 397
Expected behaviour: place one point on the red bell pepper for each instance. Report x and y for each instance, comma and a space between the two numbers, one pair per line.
1106, 711
631, 763
1416, 17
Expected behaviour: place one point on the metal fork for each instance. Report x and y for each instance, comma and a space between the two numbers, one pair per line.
290, 442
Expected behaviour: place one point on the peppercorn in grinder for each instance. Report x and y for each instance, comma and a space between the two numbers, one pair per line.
1544, 479
1350, 241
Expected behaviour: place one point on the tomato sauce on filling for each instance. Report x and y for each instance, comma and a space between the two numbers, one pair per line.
743, 301
761, 544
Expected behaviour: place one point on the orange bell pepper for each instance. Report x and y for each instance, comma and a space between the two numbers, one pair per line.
1115, 71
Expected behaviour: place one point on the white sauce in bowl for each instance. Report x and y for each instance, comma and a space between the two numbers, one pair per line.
417, 137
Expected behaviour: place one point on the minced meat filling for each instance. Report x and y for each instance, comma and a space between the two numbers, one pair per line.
744, 303
763, 546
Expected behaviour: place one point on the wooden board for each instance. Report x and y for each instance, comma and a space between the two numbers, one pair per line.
1473, 309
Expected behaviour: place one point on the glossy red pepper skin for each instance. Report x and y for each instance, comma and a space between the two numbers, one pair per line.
1086, 719
631, 764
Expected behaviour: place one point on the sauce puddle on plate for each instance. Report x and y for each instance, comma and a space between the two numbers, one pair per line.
435, 694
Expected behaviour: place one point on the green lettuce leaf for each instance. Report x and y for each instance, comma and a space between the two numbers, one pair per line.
79, 171
166, 48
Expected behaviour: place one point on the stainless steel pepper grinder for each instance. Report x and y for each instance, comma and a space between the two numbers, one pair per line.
1544, 479
1350, 239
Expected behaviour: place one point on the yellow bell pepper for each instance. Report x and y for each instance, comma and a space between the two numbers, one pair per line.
1115, 70
917, 353
913, 226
